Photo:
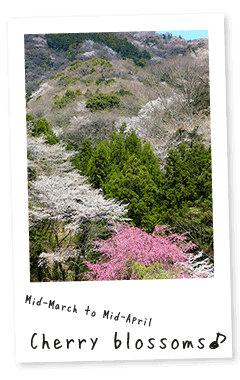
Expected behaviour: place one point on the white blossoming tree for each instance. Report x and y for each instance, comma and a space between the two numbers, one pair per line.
72, 212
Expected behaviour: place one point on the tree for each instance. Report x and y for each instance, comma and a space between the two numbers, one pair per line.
65, 212
150, 161
129, 249
135, 186
133, 144
69, 206
98, 165
198, 223
188, 77
42, 127
187, 195
102, 101
129, 172
48, 159
81, 160
118, 151
188, 176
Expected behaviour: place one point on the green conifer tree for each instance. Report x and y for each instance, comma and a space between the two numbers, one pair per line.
133, 144
81, 160
99, 165
135, 186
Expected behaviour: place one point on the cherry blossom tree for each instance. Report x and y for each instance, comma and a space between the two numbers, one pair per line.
131, 245
47, 159
71, 208
72, 211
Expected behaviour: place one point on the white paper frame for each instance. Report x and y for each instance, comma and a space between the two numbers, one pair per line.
179, 309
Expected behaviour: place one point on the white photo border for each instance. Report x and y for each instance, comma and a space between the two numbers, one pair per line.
186, 309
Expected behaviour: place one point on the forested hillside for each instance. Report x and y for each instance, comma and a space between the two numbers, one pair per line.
119, 157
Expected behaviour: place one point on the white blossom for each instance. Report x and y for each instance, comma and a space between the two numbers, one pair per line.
197, 268
69, 199
61, 196
61, 256
49, 158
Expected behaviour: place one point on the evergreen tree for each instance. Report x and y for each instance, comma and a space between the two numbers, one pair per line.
118, 152
188, 179
149, 159
99, 165
133, 144
81, 160
187, 195
135, 186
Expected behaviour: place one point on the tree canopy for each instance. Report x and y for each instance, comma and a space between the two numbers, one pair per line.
180, 195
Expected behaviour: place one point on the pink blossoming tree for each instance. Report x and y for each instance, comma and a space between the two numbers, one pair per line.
162, 254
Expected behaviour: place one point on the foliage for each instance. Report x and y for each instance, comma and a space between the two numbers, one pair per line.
192, 267
135, 186
131, 245
188, 77
140, 62
41, 127
80, 160
105, 81
155, 271
181, 196
102, 101
120, 45
69, 208
101, 62
187, 194
66, 80
198, 221
123, 92
125, 171
65, 99
188, 178
116, 175
98, 165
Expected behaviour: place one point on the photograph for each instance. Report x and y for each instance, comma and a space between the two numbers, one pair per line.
119, 163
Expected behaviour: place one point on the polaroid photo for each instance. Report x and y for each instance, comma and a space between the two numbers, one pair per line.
120, 188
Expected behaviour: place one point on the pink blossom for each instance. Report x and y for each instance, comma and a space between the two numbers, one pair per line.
130, 245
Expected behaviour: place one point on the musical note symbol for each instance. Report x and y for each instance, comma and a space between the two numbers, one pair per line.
215, 343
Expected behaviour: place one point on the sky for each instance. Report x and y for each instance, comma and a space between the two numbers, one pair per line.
187, 34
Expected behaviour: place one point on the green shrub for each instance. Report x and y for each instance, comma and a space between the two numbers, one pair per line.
88, 94
68, 81
29, 117
101, 62
123, 92
152, 272
102, 101
106, 81
52, 138
75, 65
57, 75
87, 81
66, 98
140, 62
42, 127
100, 80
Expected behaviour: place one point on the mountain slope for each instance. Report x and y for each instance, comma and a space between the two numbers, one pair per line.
168, 92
